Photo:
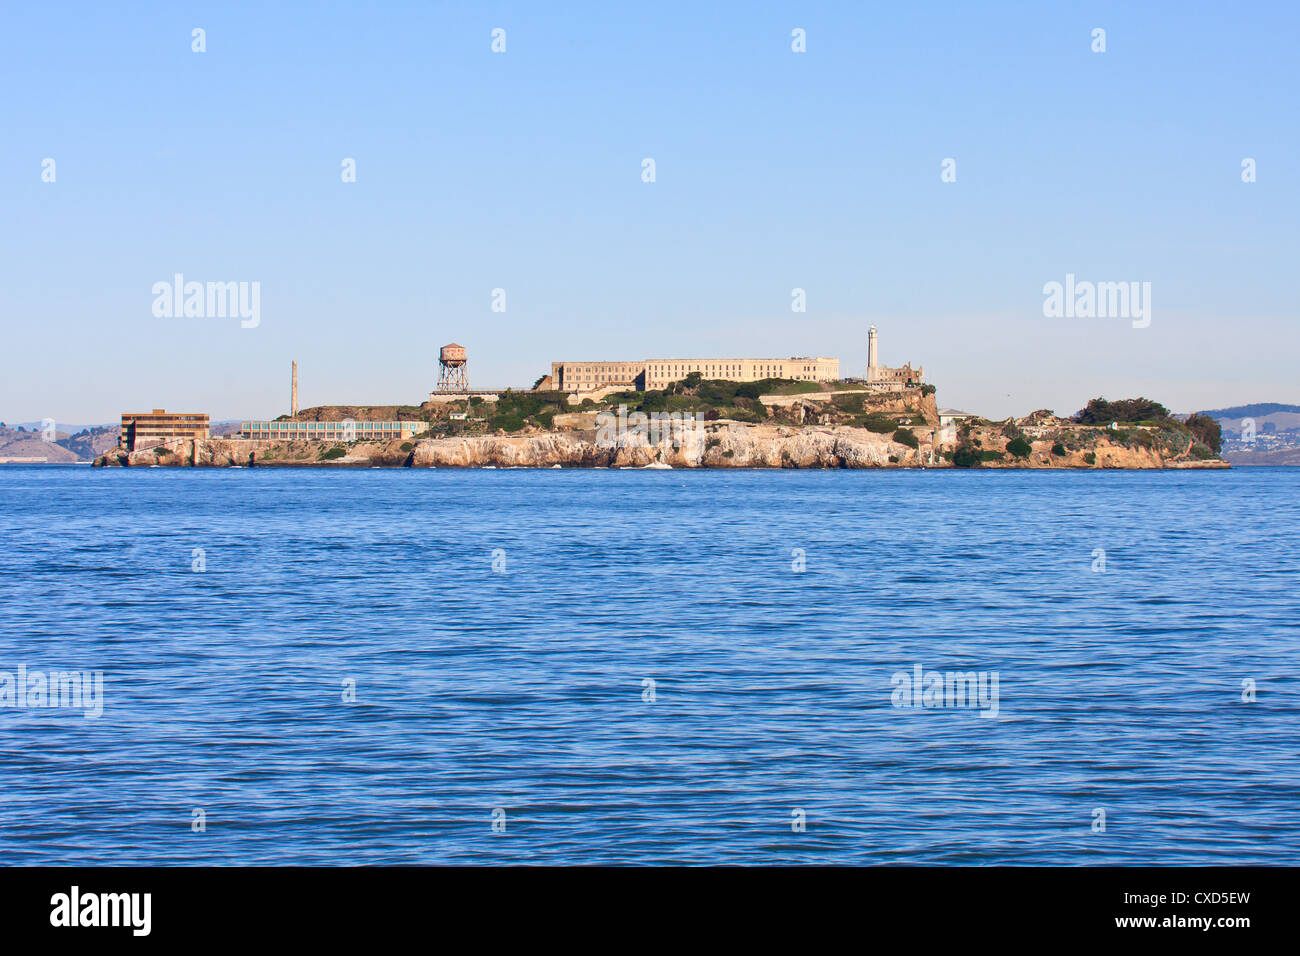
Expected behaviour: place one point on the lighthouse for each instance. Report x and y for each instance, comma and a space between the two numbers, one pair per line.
871, 352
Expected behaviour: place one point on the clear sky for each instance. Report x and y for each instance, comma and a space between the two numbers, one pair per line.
522, 171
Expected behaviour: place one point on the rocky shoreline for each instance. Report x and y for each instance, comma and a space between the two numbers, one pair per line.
722, 445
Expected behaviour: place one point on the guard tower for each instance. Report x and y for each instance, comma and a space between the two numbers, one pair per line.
452, 362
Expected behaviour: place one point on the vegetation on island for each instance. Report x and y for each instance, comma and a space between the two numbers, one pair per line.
710, 399
1151, 424
1019, 447
906, 437
1136, 411
1042, 438
1131, 423
1207, 431
511, 412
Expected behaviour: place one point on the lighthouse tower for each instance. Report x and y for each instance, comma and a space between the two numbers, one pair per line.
872, 361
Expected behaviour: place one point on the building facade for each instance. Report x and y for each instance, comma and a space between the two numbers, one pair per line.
663, 372
141, 430
330, 431
659, 373
592, 376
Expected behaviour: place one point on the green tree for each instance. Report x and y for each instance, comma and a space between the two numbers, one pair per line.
1207, 431
1101, 412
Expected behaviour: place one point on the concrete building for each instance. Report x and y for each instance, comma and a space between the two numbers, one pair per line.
330, 431
888, 379
141, 430
659, 373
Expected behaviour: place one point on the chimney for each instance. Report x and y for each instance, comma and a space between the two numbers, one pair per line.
293, 395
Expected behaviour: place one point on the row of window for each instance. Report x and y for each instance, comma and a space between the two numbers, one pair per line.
330, 428
666, 367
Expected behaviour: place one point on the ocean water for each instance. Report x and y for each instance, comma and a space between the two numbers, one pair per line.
499, 630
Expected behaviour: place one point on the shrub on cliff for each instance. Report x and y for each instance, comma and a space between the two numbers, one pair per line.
1019, 447
966, 457
876, 422
1058, 450
905, 437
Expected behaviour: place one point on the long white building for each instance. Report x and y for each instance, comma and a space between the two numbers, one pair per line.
661, 372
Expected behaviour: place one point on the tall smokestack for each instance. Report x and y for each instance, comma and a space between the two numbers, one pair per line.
293, 395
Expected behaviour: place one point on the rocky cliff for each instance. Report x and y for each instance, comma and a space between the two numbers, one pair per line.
720, 445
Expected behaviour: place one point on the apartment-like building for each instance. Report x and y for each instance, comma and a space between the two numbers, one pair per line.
658, 373
141, 430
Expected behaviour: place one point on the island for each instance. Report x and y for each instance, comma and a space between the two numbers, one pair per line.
697, 422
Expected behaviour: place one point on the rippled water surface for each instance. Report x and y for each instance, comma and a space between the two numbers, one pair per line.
524, 688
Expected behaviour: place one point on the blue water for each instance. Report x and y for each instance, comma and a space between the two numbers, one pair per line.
521, 689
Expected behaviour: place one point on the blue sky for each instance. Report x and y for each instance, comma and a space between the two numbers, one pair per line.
522, 170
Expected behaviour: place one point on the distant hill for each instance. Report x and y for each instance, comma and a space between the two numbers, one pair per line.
25, 441
90, 443
1265, 433
1267, 416
58, 427
1258, 410
31, 447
